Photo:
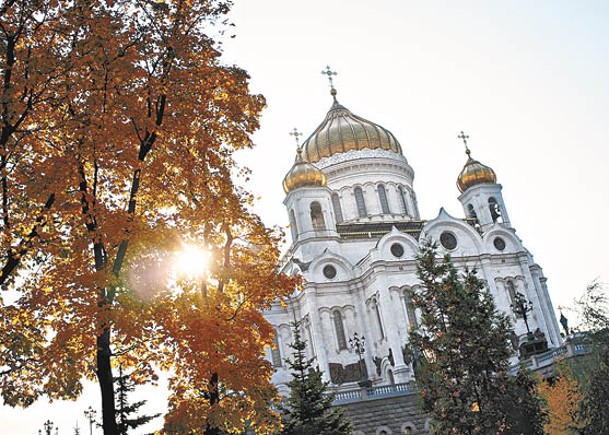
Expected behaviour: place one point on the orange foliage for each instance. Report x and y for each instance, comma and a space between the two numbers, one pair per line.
118, 125
563, 398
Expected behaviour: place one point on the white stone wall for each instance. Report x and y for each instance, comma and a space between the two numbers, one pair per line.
368, 274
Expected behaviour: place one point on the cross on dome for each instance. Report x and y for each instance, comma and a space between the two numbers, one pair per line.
464, 138
329, 73
296, 135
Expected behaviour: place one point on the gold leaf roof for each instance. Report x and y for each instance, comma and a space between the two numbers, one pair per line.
303, 174
343, 131
475, 173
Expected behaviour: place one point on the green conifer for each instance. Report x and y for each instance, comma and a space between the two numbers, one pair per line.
126, 412
463, 344
309, 408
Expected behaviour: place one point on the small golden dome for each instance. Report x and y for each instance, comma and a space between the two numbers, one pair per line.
474, 173
343, 131
303, 174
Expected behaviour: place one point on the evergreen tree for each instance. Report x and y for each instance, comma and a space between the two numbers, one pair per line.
464, 371
125, 411
525, 413
309, 408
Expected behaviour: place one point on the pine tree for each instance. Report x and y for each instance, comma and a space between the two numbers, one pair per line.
309, 408
464, 371
525, 413
125, 411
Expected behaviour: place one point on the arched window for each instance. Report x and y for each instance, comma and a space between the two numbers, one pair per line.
338, 211
359, 200
383, 199
339, 329
415, 202
511, 290
276, 352
403, 199
471, 212
317, 217
377, 315
410, 311
495, 210
293, 226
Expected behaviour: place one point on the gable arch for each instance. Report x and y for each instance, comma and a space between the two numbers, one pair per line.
408, 243
512, 243
468, 240
342, 266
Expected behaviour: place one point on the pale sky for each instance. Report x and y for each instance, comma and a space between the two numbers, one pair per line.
527, 80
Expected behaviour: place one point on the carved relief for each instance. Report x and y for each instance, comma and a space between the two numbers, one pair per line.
340, 374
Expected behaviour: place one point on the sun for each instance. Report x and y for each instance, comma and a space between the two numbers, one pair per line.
192, 261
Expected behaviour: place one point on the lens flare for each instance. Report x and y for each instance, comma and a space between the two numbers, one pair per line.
192, 261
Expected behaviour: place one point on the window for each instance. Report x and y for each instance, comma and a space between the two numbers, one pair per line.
359, 199
276, 352
410, 311
383, 199
397, 250
329, 271
317, 217
377, 315
293, 226
338, 211
448, 240
509, 285
471, 212
339, 328
415, 202
403, 199
495, 210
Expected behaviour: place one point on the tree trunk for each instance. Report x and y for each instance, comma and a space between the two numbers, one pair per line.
214, 397
106, 383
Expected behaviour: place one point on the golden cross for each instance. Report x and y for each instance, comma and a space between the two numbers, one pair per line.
296, 135
464, 138
328, 72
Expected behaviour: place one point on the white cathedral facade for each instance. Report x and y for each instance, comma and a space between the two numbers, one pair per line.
356, 229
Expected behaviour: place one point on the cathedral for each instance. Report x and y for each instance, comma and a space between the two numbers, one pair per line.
356, 230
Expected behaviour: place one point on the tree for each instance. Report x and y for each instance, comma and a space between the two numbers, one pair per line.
129, 155
525, 411
309, 408
593, 308
464, 373
125, 410
563, 398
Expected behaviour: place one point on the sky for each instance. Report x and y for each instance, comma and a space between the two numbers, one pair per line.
526, 80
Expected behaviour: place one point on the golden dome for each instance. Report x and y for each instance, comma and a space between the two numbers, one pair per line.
303, 174
474, 173
343, 131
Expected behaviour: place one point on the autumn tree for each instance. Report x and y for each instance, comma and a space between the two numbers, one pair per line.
563, 397
308, 409
464, 371
128, 154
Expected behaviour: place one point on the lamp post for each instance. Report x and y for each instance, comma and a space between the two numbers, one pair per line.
521, 307
48, 427
357, 345
90, 413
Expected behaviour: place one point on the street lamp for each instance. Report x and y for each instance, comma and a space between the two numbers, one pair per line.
357, 345
521, 307
90, 413
48, 427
